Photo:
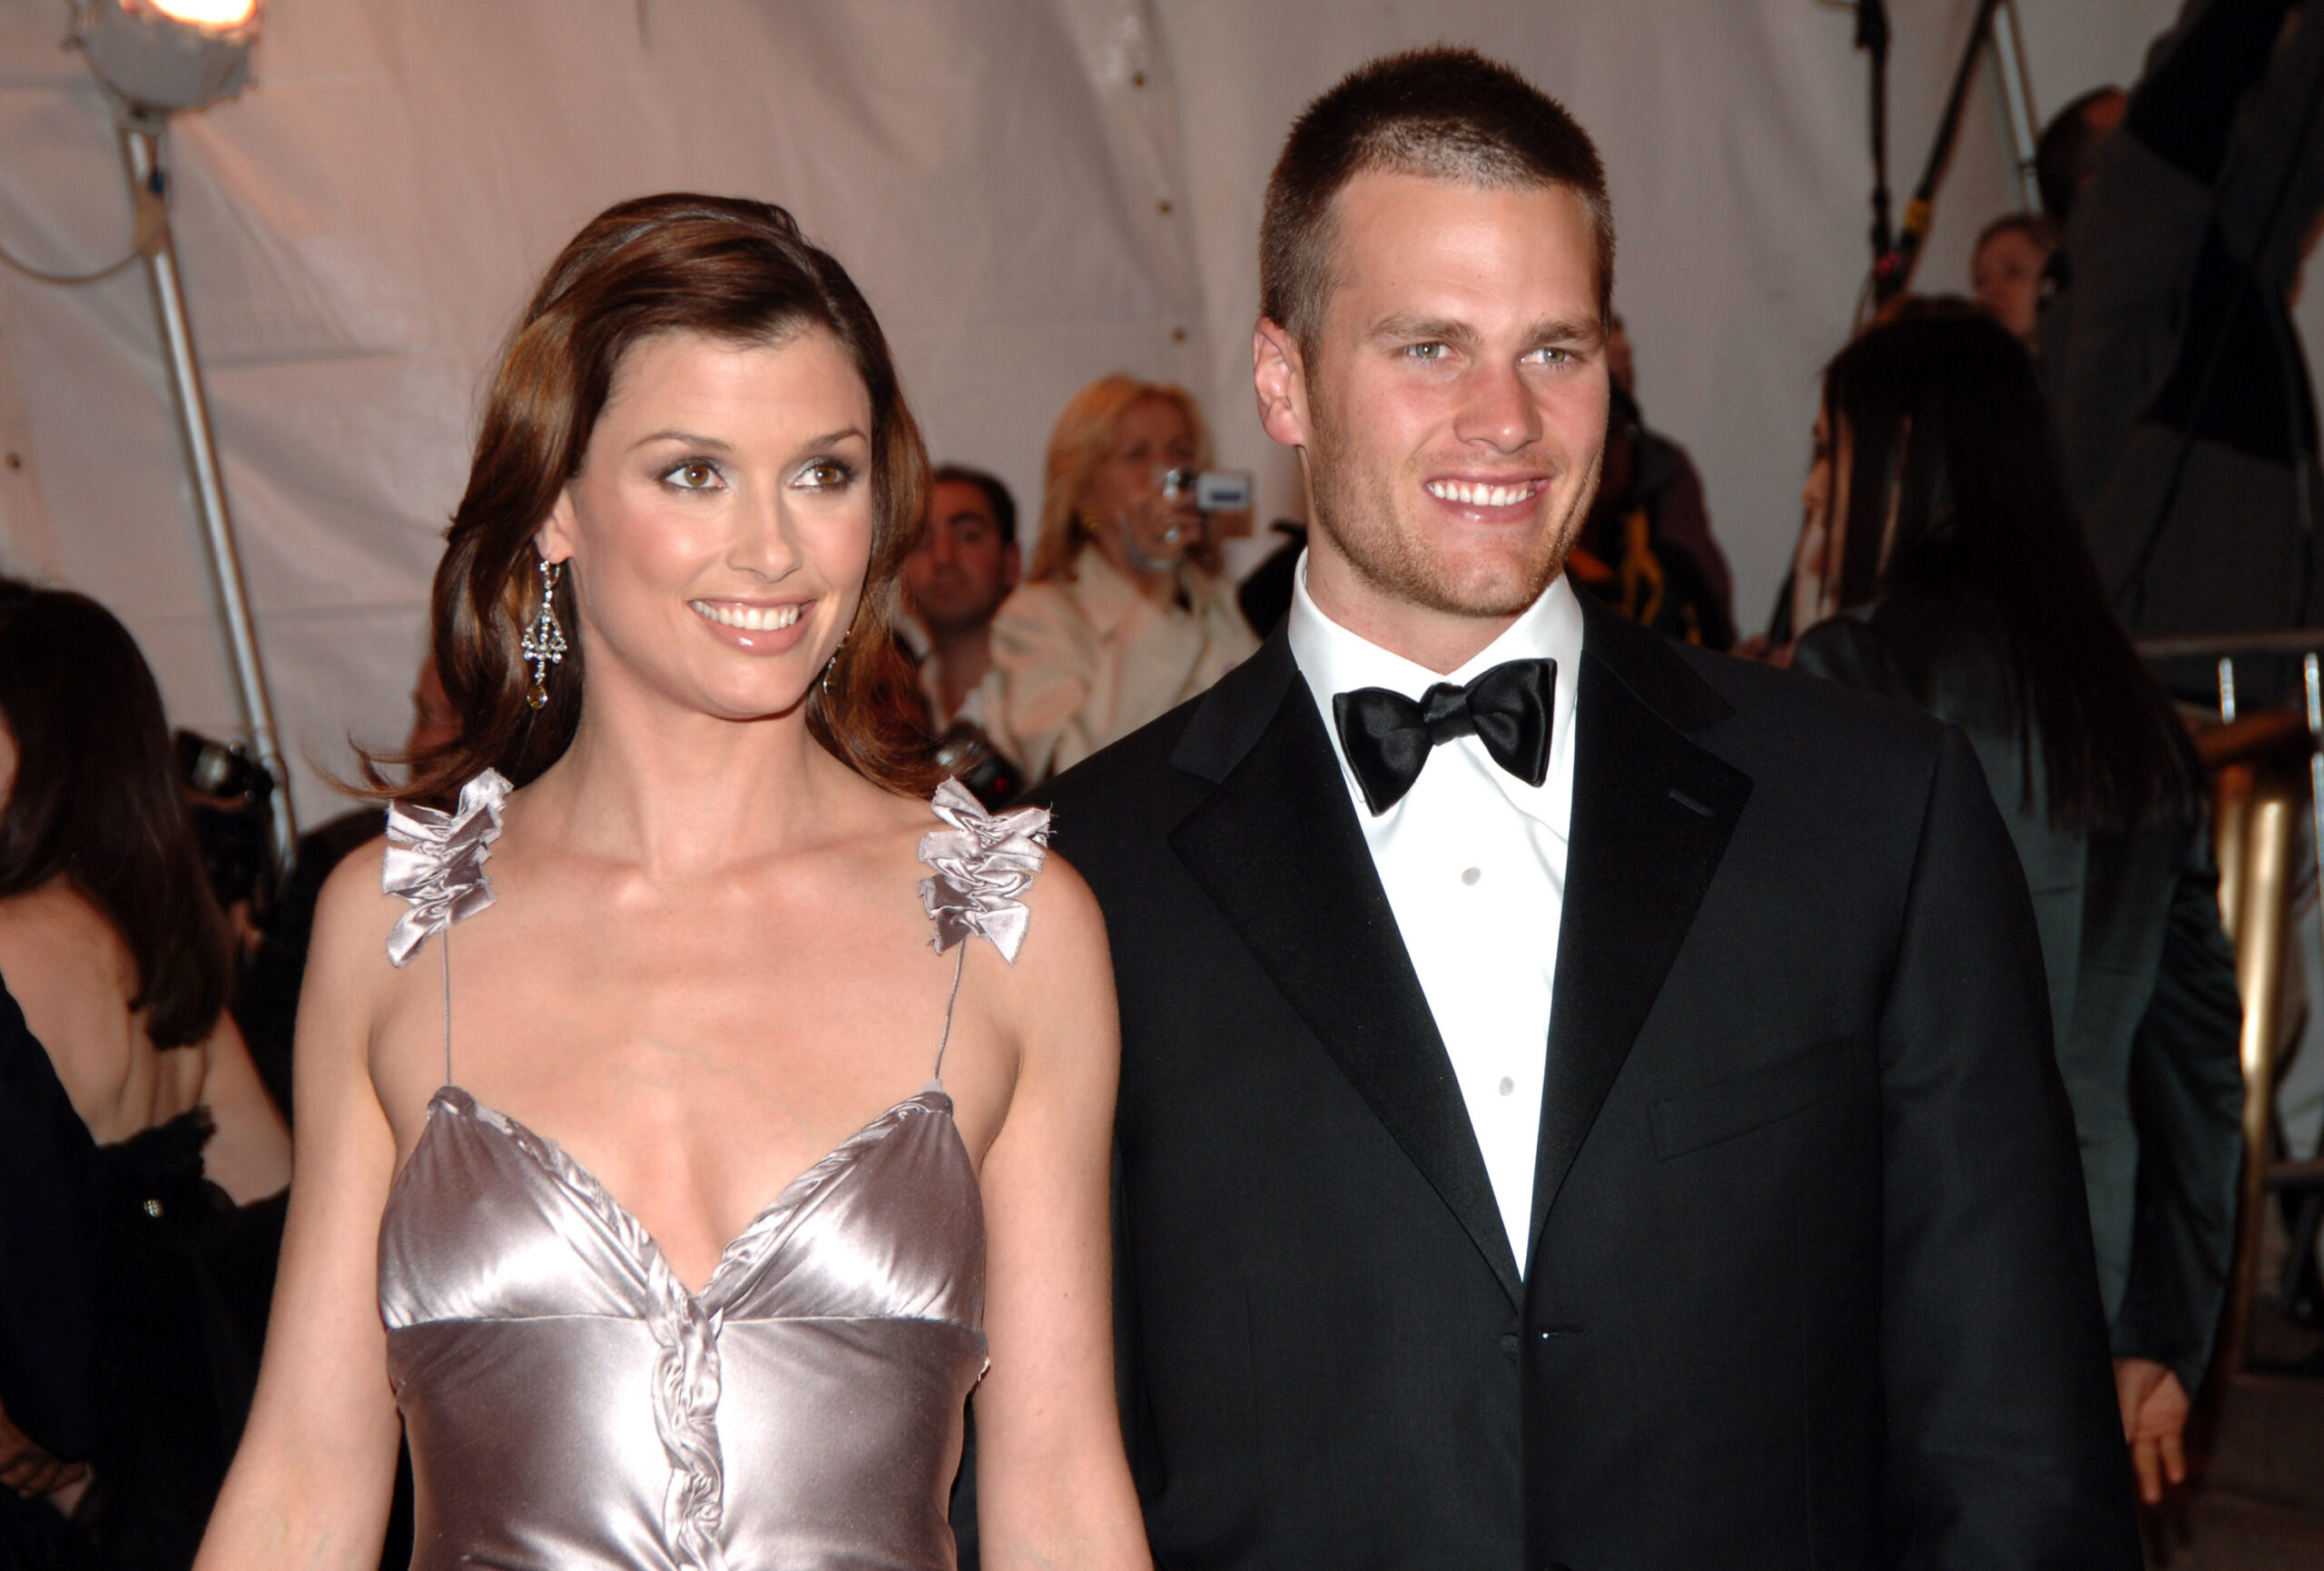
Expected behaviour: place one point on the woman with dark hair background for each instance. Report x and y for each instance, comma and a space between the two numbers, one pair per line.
701, 960
111, 943
1941, 550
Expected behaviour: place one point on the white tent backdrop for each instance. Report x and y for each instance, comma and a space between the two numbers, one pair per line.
1032, 193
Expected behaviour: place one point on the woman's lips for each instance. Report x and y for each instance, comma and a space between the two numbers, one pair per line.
760, 629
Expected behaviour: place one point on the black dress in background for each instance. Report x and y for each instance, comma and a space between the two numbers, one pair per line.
182, 1293
132, 1311
48, 1287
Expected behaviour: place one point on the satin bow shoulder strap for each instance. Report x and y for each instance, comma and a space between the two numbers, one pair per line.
435, 860
981, 867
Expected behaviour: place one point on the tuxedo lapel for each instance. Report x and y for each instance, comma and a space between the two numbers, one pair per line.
1652, 812
1277, 847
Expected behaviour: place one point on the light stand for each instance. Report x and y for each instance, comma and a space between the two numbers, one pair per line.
156, 58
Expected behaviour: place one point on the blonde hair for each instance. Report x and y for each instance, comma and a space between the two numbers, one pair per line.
1084, 438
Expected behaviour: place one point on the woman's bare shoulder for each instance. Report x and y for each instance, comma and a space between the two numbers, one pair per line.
353, 917
1065, 944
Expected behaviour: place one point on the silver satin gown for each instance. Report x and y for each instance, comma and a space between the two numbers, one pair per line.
570, 1404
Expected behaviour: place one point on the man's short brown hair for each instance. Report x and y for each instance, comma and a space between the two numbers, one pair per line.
1444, 113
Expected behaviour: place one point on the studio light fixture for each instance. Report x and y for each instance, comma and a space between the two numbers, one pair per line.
159, 57
155, 59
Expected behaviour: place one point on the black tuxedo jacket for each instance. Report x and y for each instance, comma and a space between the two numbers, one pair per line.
1809, 1281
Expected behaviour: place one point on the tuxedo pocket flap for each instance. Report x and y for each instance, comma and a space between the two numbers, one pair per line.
1751, 1099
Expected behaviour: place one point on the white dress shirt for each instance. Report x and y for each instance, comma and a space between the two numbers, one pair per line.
1473, 862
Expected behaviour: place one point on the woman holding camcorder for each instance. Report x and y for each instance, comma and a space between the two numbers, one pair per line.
1126, 614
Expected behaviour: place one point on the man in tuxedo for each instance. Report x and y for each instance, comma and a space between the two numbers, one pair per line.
1585, 1102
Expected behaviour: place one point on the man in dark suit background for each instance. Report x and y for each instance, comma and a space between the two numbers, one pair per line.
1584, 1103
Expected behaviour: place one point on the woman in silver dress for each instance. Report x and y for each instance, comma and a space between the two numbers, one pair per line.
760, 1113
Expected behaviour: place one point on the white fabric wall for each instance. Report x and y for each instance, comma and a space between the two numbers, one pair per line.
1032, 193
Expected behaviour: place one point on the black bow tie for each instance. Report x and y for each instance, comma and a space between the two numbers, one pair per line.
1388, 738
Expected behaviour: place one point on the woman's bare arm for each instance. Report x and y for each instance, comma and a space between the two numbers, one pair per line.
310, 1485
1053, 1488
248, 1157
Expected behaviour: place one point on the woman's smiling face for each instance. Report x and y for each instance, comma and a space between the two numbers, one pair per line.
720, 526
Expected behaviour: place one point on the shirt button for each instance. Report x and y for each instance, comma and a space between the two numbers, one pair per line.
1471, 874
1507, 1085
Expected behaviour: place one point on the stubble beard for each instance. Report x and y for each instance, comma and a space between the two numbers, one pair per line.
1359, 511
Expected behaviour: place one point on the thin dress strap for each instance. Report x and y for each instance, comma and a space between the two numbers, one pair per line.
435, 860
980, 867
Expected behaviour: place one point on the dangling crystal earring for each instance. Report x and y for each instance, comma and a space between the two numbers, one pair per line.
833, 661
544, 639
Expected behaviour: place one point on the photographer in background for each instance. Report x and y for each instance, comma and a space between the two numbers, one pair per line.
1126, 615
228, 796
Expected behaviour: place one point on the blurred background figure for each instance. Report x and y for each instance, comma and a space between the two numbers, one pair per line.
2065, 160
1645, 546
953, 582
1949, 550
2006, 268
2176, 376
1661, 478
112, 943
1126, 614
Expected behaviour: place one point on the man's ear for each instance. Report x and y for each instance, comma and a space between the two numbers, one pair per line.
1280, 377
554, 541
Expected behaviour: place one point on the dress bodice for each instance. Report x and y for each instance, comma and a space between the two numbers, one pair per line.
571, 1404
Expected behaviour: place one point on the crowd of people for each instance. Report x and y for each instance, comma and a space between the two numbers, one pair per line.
1501, 1080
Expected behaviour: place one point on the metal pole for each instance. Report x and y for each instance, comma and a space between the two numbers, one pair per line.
2258, 976
138, 157
2017, 103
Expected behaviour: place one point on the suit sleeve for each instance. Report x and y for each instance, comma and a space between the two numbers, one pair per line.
2004, 1446
2186, 1092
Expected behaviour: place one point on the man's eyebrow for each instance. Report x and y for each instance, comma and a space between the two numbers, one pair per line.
1424, 330
1444, 330
1590, 331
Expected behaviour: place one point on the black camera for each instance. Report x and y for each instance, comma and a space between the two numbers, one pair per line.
968, 754
228, 797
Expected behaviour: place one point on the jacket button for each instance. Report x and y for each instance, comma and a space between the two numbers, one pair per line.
1509, 1344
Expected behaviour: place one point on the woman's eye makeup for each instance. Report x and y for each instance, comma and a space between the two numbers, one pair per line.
693, 475
826, 474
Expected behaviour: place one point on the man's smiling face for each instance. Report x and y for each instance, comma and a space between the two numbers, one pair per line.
1451, 407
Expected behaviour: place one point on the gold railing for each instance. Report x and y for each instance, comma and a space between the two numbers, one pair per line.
2265, 769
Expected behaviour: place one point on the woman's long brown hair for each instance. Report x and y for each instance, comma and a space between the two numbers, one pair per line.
96, 802
739, 271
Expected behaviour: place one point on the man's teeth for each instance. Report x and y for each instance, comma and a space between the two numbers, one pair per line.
1470, 494
750, 618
